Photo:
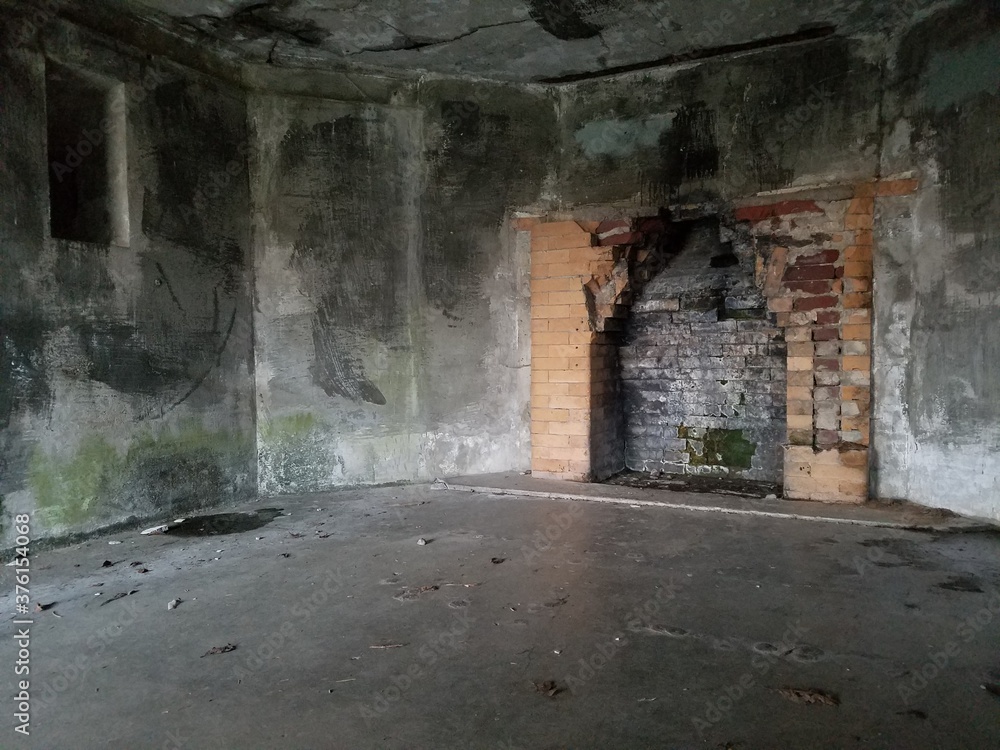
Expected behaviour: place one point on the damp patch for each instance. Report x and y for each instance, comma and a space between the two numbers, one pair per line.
217, 524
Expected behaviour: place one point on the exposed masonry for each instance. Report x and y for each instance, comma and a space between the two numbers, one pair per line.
703, 368
811, 262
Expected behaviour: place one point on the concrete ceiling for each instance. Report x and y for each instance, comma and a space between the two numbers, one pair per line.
526, 40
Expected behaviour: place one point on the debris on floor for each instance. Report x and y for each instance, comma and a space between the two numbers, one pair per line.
107, 564
116, 597
498, 560
39, 607
548, 688
219, 650
421, 541
387, 645
173, 604
161, 529
809, 696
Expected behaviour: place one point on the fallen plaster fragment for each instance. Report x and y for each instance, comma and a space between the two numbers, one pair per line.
173, 603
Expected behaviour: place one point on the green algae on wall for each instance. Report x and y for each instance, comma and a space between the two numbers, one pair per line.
293, 454
168, 472
728, 448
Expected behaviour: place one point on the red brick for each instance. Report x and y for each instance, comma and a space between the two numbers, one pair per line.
825, 256
826, 334
618, 225
760, 213
812, 287
810, 273
631, 238
826, 364
814, 303
828, 317
651, 224
827, 437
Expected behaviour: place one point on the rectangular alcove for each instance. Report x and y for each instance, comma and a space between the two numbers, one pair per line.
754, 364
87, 160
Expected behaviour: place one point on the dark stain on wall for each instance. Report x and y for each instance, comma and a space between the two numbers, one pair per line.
484, 161
563, 19
24, 381
948, 72
738, 126
199, 159
348, 244
689, 150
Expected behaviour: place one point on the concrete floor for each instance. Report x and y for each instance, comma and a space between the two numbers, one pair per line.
660, 628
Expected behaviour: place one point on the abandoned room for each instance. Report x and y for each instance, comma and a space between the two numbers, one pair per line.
501, 374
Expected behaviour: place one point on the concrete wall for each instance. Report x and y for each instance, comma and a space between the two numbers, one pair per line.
837, 112
126, 370
937, 268
724, 128
392, 299
387, 298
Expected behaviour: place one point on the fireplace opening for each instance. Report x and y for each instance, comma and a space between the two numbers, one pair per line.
703, 368
718, 348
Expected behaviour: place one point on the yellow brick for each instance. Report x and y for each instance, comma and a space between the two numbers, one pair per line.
857, 270
800, 421
550, 311
556, 228
549, 415
550, 441
858, 221
800, 407
561, 402
839, 473
800, 363
570, 241
566, 298
798, 393
550, 389
572, 324
564, 375
541, 465
858, 253
861, 206
549, 257
556, 364
856, 333
798, 333
550, 338
857, 363
574, 427
558, 284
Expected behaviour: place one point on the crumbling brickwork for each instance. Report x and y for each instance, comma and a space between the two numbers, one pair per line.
703, 368
713, 380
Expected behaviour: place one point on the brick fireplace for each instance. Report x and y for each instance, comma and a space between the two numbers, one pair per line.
749, 356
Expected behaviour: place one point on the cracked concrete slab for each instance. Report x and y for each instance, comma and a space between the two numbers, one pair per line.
523, 623
507, 39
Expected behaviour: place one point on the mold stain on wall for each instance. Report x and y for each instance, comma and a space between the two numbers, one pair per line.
345, 245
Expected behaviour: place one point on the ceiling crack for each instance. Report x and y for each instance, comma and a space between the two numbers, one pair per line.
409, 43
